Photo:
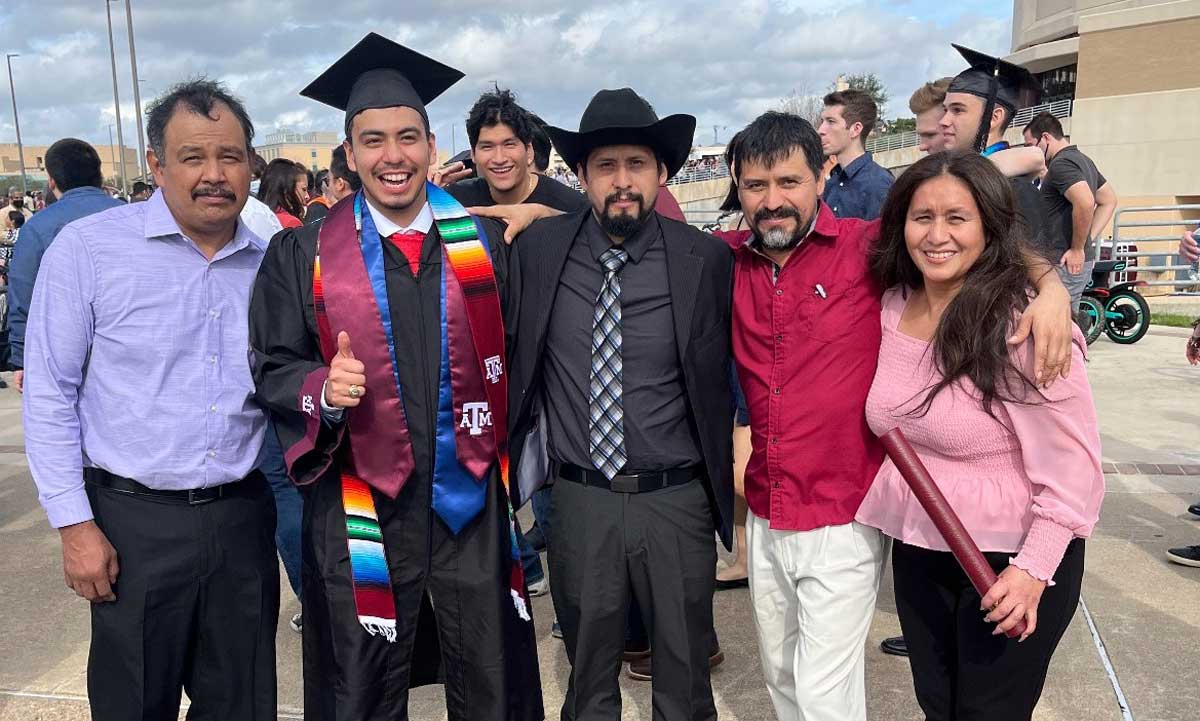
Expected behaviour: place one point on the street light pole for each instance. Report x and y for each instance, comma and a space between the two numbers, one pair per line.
116, 98
137, 95
16, 122
112, 149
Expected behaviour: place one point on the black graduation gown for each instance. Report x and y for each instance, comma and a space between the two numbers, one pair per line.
1032, 210
474, 642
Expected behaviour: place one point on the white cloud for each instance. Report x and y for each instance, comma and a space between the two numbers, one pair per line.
724, 62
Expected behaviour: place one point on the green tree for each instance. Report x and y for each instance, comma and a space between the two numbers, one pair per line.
900, 125
870, 84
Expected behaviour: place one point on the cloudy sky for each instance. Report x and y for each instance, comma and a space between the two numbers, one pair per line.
724, 62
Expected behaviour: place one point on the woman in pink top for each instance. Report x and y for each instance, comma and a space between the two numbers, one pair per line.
1019, 464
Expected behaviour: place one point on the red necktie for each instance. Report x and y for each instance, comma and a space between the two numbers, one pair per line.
409, 243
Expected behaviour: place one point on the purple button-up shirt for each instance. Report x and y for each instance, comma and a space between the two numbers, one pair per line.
137, 359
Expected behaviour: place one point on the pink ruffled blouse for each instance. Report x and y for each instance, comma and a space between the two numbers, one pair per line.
1025, 482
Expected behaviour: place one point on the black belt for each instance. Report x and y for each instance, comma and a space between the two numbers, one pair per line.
638, 483
192, 496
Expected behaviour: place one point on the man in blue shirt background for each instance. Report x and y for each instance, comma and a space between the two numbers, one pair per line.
75, 177
857, 185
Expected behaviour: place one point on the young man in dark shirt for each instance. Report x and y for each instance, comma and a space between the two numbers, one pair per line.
1079, 202
501, 135
857, 185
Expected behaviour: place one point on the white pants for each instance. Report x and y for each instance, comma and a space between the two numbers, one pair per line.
814, 596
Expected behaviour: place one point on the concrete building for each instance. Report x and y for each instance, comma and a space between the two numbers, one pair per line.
1124, 78
312, 150
35, 162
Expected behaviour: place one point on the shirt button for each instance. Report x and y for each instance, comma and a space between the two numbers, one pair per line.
774, 441
779, 291
778, 391
841, 184
213, 409
212, 454
778, 339
212, 359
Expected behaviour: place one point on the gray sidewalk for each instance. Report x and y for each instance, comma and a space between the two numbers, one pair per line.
1146, 612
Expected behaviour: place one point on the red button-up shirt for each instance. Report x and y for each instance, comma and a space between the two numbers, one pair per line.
806, 341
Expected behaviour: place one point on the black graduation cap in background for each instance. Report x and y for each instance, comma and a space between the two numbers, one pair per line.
1015, 87
380, 73
998, 82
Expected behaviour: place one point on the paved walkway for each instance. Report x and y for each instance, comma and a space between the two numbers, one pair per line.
1139, 632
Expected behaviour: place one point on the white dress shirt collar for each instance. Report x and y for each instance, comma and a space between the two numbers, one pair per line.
421, 224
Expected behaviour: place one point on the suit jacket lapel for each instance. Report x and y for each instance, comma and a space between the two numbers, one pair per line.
546, 275
551, 268
683, 275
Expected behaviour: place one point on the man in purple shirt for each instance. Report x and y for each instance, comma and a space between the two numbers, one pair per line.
142, 434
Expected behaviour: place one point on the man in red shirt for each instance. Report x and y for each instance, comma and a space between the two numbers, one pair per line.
806, 335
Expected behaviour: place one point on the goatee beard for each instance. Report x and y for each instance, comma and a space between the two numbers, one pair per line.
621, 225
779, 238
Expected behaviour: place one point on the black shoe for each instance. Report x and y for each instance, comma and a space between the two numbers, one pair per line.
894, 646
1185, 556
1194, 509
3, 384
636, 650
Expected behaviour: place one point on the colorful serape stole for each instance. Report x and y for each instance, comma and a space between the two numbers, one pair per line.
471, 264
368, 566
465, 450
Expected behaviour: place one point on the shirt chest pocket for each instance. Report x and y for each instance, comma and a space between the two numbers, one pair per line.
826, 311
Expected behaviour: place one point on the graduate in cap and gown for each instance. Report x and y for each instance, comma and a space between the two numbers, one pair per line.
380, 351
980, 104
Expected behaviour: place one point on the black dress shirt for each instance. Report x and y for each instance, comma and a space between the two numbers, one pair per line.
659, 432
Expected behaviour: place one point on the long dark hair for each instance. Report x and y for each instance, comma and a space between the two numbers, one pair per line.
971, 340
277, 189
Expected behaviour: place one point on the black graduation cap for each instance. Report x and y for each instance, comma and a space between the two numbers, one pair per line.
999, 81
380, 73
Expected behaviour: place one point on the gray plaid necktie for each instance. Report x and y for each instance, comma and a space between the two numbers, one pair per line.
606, 432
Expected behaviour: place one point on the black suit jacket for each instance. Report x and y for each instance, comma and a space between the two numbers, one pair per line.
699, 273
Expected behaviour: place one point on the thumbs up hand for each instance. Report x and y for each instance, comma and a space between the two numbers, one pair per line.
347, 380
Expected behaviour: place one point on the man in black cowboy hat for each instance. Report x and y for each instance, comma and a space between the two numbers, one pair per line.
620, 398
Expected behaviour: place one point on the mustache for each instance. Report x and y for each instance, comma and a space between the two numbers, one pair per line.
624, 196
778, 214
213, 191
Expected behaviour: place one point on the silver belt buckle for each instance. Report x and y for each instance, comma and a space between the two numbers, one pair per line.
194, 500
625, 484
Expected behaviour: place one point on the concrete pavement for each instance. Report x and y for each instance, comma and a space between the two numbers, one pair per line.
1145, 611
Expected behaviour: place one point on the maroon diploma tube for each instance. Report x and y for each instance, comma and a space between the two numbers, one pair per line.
943, 516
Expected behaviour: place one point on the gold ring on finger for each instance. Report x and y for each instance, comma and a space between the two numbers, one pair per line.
354, 391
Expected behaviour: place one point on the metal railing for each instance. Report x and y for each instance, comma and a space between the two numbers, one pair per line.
1059, 109
898, 141
1170, 264
893, 141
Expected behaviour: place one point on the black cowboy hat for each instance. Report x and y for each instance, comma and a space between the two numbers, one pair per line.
622, 117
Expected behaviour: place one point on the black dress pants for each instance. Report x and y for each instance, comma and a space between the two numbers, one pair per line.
659, 547
456, 623
960, 670
197, 607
